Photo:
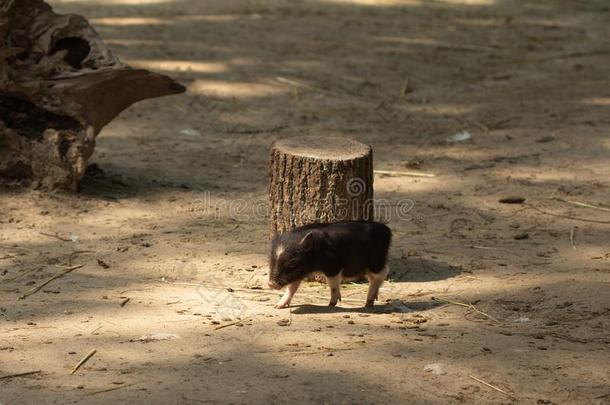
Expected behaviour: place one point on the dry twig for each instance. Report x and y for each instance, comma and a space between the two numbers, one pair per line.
5, 377
5, 315
325, 350
83, 361
405, 88
38, 288
484, 247
118, 387
408, 174
581, 204
56, 235
297, 84
572, 237
578, 54
75, 253
493, 387
567, 216
469, 306
232, 323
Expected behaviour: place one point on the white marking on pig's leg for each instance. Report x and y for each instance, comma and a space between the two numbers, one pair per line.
291, 288
375, 281
335, 289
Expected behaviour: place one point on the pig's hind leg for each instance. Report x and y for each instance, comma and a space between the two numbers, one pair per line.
291, 289
375, 281
334, 283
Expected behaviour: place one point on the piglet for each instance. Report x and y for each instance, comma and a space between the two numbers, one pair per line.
339, 250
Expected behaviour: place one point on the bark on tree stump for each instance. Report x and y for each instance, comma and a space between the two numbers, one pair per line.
319, 179
59, 85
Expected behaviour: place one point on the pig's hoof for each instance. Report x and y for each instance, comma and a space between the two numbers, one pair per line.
332, 304
281, 306
370, 304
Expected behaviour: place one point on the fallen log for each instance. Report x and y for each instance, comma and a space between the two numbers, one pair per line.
59, 86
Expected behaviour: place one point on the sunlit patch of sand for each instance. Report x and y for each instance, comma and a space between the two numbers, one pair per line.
220, 88
128, 21
178, 65
134, 21
597, 101
470, 2
378, 2
119, 2
440, 109
390, 3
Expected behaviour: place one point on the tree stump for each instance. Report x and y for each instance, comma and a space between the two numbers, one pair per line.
319, 179
59, 85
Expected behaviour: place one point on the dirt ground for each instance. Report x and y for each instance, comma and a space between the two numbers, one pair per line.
175, 222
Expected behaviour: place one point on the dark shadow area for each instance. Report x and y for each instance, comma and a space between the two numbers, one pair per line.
420, 270
390, 308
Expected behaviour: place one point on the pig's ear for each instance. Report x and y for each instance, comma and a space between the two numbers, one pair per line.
307, 241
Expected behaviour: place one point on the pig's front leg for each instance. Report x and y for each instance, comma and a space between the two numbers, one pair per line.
334, 283
287, 297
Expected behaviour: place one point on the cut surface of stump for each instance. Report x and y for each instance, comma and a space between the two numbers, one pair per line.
319, 179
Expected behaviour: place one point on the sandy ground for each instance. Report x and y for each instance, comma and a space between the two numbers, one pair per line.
175, 223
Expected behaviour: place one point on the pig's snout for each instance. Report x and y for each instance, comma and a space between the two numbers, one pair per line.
274, 285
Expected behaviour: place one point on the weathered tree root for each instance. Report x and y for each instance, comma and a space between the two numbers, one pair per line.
59, 86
